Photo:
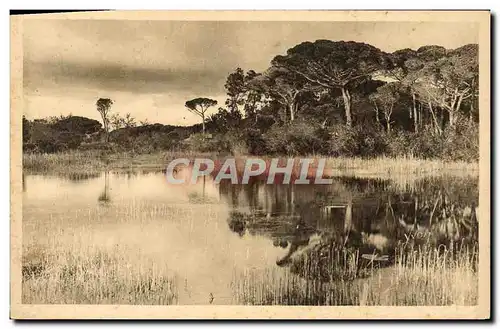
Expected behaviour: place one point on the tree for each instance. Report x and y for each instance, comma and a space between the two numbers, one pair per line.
117, 122
406, 70
240, 91
448, 81
235, 88
334, 65
223, 120
282, 85
199, 106
103, 107
384, 100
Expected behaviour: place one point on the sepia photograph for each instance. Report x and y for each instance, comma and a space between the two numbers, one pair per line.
250, 165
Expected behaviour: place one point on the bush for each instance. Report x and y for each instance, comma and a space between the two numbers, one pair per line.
297, 138
461, 142
356, 141
458, 143
255, 142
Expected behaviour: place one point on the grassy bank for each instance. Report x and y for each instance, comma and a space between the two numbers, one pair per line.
75, 162
381, 167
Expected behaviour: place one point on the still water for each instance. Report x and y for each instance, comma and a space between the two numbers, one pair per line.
207, 234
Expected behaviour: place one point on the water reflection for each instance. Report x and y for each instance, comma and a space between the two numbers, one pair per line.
207, 232
368, 215
105, 196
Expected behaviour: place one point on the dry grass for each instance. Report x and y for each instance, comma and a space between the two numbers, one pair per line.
402, 170
77, 162
426, 276
420, 276
93, 277
381, 167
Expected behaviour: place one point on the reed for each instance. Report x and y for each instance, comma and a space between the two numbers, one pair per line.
96, 277
421, 276
381, 167
77, 162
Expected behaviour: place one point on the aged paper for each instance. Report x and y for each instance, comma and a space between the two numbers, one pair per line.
149, 172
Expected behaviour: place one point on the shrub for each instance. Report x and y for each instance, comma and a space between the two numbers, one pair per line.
461, 142
297, 138
356, 141
255, 142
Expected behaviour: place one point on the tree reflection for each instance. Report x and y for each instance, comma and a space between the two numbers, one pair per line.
105, 196
354, 221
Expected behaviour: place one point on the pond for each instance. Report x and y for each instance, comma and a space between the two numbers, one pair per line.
131, 237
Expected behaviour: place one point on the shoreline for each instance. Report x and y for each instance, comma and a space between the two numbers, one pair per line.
379, 167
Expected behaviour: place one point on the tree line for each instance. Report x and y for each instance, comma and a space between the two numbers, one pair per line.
334, 98
328, 92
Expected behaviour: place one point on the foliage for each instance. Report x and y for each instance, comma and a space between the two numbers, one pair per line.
356, 141
58, 135
199, 106
299, 137
127, 121
103, 107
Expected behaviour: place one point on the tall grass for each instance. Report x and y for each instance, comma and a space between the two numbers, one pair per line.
427, 276
89, 161
420, 276
74, 162
96, 277
381, 166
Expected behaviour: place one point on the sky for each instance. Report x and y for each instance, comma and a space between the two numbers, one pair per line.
151, 68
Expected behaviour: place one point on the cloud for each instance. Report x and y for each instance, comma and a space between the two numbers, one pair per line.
150, 68
117, 77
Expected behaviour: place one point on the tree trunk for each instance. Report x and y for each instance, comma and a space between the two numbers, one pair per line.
294, 106
377, 115
420, 115
387, 116
471, 109
203, 122
106, 127
437, 129
415, 119
347, 106
455, 110
452, 118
